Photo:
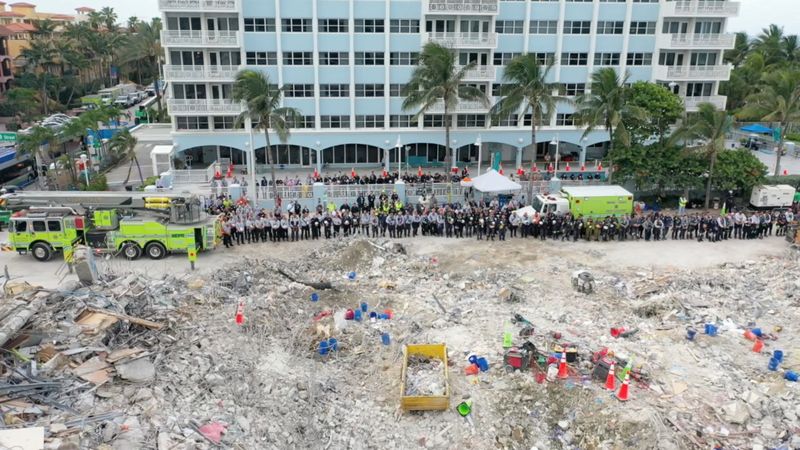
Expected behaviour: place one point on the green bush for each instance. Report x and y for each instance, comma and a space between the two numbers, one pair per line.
97, 182
792, 180
794, 137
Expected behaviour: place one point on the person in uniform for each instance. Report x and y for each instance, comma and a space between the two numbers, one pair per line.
285, 227
501, 227
327, 224
336, 220
374, 223
305, 226
667, 219
647, 227
346, 220
316, 224
226, 234
416, 220
513, 224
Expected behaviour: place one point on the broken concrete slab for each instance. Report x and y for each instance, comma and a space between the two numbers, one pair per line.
138, 371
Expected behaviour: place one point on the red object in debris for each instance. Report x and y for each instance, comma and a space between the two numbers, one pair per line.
749, 335
615, 332
562, 366
388, 313
622, 395
79, 223
213, 431
472, 369
758, 346
556, 335
540, 377
240, 313
611, 379
321, 315
230, 171
349, 314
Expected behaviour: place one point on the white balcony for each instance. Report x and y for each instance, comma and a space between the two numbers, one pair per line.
462, 106
194, 38
691, 73
484, 73
199, 5
692, 103
204, 106
701, 8
464, 40
200, 73
460, 7
722, 41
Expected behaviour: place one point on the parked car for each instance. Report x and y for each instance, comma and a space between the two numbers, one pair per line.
122, 101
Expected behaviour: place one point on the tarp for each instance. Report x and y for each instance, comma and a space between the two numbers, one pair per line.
756, 128
491, 181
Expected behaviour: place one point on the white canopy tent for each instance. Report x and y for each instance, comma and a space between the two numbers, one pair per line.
492, 181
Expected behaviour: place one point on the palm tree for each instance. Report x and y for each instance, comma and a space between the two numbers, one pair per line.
124, 143
710, 126
109, 18
133, 23
33, 143
437, 80
145, 46
22, 103
526, 87
605, 106
790, 49
769, 43
777, 100
45, 28
74, 129
263, 107
38, 57
740, 50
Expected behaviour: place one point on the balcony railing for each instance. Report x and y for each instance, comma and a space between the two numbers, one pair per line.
199, 38
200, 73
699, 72
692, 103
462, 6
698, 40
462, 106
464, 40
480, 73
204, 106
199, 5
690, 8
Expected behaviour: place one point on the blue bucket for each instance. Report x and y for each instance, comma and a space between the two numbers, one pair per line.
483, 364
333, 344
323, 348
773, 364
757, 331
711, 329
790, 375
357, 315
364, 306
314, 297
385, 339
351, 276
778, 354
690, 333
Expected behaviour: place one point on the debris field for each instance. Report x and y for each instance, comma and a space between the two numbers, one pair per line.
163, 363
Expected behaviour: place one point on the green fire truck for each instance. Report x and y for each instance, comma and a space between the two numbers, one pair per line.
133, 224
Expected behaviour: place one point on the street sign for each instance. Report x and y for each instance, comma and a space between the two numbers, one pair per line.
8, 137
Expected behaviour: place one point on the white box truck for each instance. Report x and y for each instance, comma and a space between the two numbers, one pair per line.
777, 196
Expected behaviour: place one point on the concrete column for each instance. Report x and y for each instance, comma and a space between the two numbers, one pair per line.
400, 188
319, 160
583, 154
519, 158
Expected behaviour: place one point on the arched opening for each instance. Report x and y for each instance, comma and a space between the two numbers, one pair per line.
352, 154
423, 154
204, 155
287, 154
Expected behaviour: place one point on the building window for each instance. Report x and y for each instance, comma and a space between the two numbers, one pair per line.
368, 26
334, 121
225, 123
640, 59
643, 28
369, 58
606, 59
404, 26
396, 90
403, 58
703, 59
302, 122
699, 89
259, 24
543, 58
572, 89
191, 123
298, 90
577, 26
610, 27
508, 26
261, 58
369, 90
402, 121
543, 27
189, 91
334, 90
574, 59
526, 120
564, 120
471, 120
297, 58
508, 121
369, 121
433, 121
501, 59
333, 25
334, 58
296, 25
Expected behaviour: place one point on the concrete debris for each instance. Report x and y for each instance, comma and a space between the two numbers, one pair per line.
133, 361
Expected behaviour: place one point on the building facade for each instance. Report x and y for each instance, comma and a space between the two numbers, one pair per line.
344, 64
6, 63
18, 23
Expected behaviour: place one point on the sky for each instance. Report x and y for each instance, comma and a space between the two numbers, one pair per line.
754, 15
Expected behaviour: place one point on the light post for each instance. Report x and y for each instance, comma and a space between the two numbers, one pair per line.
251, 157
398, 146
85, 168
520, 153
407, 148
555, 142
455, 153
386, 164
319, 157
479, 144
584, 142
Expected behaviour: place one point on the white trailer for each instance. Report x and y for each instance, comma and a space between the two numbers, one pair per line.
777, 196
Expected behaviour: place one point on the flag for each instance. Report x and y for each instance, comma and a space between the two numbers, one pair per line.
723, 211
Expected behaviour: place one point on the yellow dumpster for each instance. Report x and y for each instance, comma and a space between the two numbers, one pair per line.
425, 402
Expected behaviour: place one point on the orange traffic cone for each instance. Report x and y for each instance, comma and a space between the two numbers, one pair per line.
600, 166
611, 379
419, 171
240, 313
353, 172
562, 366
229, 174
785, 172
568, 168
623, 395
583, 167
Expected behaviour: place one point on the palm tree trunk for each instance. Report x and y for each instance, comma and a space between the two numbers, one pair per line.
533, 140
610, 149
44, 93
138, 168
710, 175
271, 167
447, 157
128, 177
780, 150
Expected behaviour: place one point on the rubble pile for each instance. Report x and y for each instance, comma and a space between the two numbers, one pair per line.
134, 362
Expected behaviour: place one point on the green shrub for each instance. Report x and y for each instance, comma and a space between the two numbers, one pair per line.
97, 182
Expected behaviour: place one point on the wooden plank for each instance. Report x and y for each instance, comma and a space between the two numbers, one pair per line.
143, 322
